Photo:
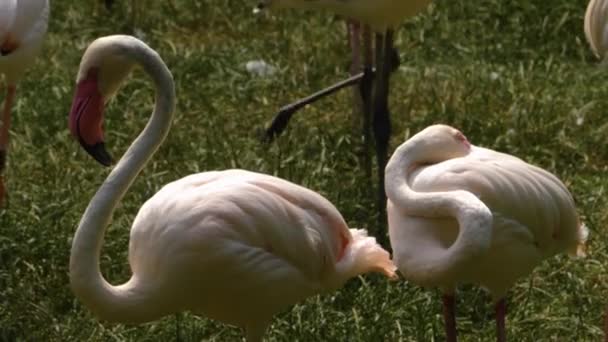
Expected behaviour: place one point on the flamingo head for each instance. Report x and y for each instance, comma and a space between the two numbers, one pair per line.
103, 68
442, 142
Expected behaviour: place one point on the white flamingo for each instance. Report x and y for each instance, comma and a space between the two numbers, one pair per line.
232, 245
23, 25
459, 213
596, 28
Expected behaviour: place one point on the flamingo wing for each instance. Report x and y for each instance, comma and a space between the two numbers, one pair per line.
513, 189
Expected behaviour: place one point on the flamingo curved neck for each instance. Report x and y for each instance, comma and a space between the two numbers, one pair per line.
473, 216
126, 302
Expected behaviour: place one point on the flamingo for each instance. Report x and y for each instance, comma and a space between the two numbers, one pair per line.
595, 27
233, 245
23, 25
382, 16
459, 213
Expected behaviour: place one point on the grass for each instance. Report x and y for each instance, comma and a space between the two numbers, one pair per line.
516, 76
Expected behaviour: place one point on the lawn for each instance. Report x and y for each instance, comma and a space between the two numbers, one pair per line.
515, 76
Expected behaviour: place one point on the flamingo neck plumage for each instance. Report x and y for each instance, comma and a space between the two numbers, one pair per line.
473, 216
125, 302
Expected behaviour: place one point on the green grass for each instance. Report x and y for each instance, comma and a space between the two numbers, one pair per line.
513, 75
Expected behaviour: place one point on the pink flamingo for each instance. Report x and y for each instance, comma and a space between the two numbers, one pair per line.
232, 245
459, 213
23, 25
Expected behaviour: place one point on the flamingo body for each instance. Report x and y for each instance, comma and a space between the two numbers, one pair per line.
258, 244
378, 14
596, 26
534, 217
232, 245
23, 25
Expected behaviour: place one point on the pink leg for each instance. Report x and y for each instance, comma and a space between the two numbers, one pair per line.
4, 134
449, 317
501, 312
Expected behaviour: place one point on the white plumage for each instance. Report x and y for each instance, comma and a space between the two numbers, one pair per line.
596, 27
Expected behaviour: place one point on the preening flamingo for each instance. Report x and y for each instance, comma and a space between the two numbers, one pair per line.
232, 245
23, 25
459, 213
382, 16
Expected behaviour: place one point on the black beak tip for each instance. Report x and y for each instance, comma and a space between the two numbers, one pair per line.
98, 152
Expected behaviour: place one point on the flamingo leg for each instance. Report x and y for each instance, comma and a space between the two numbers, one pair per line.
4, 136
255, 333
501, 312
281, 119
365, 89
449, 317
381, 115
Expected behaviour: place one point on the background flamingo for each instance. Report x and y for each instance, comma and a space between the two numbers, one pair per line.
465, 214
233, 245
595, 26
23, 25
382, 17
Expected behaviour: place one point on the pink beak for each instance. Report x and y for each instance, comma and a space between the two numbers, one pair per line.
86, 118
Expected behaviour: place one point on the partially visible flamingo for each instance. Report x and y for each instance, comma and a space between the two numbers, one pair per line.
459, 213
383, 16
596, 27
233, 245
23, 24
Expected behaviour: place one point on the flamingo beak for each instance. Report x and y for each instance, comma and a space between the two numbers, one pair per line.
86, 118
